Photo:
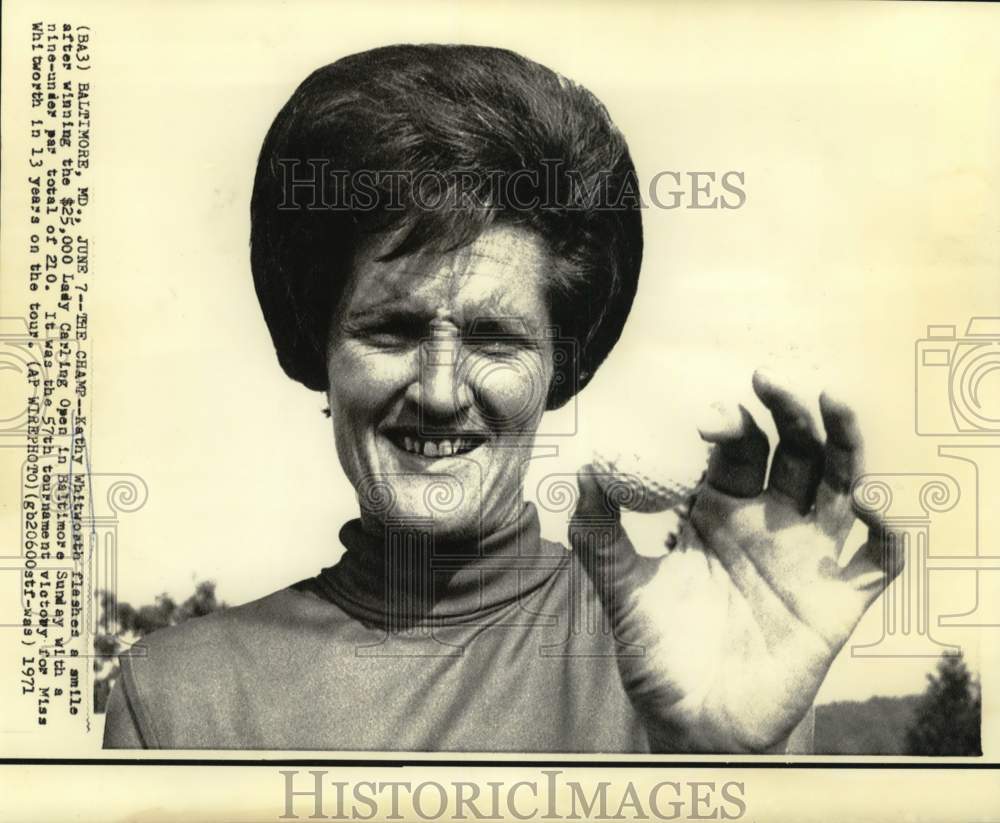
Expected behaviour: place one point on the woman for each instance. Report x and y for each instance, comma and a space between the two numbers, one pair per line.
446, 240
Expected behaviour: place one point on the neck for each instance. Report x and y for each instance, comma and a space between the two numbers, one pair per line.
447, 536
404, 574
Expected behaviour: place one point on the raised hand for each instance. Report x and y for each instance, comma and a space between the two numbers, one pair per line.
727, 637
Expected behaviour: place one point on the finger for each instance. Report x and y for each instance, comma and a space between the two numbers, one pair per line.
843, 463
593, 504
596, 533
739, 461
877, 562
798, 460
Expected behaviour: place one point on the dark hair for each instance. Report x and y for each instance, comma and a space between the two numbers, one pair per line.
520, 133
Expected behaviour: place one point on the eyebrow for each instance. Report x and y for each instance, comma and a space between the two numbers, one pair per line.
494, 310
389, 308
507, 326
483, 322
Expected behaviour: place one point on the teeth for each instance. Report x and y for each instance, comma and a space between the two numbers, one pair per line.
436, 448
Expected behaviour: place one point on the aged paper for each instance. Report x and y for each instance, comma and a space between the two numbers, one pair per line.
819, 197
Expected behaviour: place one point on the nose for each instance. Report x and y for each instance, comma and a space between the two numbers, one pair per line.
440, 391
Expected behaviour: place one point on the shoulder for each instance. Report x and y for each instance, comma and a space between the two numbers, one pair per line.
214, 633
183, 676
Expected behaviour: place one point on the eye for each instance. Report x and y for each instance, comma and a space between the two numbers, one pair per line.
391, 332
384, 337
479, 348
503, 346
499, 339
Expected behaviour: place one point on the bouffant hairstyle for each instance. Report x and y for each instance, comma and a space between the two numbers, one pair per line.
437, 143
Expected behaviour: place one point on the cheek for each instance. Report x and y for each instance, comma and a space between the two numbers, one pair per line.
363, 383
512, 392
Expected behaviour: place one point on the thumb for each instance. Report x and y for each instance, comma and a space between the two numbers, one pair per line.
597, 534
594, 502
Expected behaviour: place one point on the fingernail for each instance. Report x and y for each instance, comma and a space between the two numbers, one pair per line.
718, 420
768, 376
832, 401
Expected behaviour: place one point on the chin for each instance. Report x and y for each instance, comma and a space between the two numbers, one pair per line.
418, 500
454, 492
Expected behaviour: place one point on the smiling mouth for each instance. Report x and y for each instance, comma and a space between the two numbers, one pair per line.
433, 447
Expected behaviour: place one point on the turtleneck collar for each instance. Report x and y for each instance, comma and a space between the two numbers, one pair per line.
404, 577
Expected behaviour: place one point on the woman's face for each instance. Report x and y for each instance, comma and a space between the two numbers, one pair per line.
439, 368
